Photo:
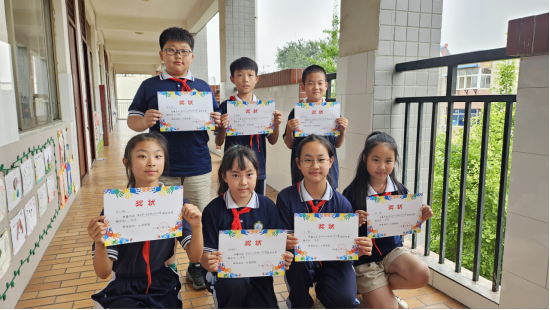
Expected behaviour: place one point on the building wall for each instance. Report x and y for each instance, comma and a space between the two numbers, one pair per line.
199, 68
525, 262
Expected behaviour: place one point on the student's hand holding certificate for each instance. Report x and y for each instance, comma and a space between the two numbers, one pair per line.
191, 214
151, 117
289, 257
291, 241
365, 245
96, 229
217, 119
212, 260
426, 212
362, 216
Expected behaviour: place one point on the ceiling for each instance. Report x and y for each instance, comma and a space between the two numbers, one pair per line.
118, 21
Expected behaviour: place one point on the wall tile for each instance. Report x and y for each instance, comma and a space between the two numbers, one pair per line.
371, 57
385, 48
412, 34
526, 248
402, 5
531, 117
386, 33
387, 4
357, 110
414, 5
423, 49
410, 78
413, 19
412, 49
400, 33
435, 36
426, 6
436, 21
434, 50
424, 35
400, 18
528, 184
531, 74
399, 49
517, 292
437, 7
425, 20
399, 78
387, 17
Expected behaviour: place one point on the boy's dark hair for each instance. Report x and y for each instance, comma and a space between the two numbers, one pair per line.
176, 34
148, 136
359, 187
243, 63
240, 153
312, 69
313, 138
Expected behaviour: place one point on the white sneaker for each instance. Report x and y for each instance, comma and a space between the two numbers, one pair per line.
401, 304
318, 304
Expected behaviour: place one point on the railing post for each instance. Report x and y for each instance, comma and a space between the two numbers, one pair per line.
406, 142
433, 134
418, 154
502, 193
463, 177
481, 191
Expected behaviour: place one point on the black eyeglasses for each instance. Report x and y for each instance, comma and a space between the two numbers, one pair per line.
172, 52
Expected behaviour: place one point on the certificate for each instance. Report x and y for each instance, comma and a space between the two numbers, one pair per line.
185, 111
317, 118
326, 236
142, 214
250, 118
252, 253
394, 215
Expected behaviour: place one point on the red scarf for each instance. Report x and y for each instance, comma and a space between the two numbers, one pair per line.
183, 82
233, 98
314, 208
146, 257
236, 225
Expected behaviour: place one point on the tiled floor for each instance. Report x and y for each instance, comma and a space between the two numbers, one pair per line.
65, 276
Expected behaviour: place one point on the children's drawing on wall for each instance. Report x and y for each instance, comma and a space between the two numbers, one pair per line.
18, 230
61, 146
42, 199
28, 177
50, 182
63, 195
5, 252
14, 188
39, 167
48, 159
74, 175
66, 136
30, 215
69, 180
3, 201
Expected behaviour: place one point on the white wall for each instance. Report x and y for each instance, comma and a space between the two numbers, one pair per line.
525, 262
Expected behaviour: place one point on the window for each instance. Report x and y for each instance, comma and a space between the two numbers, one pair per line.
34, 71
473, 78
458, 116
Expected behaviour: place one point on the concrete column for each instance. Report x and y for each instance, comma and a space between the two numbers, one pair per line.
525, 262
199, 68
237, 37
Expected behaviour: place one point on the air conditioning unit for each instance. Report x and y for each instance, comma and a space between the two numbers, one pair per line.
443, 127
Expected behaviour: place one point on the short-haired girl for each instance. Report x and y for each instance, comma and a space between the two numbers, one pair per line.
390, 266
141, 278
238, 207
335, 280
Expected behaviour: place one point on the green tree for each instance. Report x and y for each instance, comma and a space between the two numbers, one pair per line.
330, 46
296, 54
505, 83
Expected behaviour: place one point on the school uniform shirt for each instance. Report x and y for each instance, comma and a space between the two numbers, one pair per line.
256, 142
295, 199
189, 153
295, 172
129, 257
381, 246
218, 216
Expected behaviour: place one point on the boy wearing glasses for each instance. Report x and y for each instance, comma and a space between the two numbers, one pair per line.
314, 84
190, 162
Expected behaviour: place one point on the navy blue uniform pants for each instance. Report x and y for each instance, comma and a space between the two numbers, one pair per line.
242, 293
336, 285
128, 291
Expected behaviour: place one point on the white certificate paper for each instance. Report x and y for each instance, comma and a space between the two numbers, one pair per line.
142, 214
326, 236
185, 111
394, 215
250, 118
252, 253
317, 118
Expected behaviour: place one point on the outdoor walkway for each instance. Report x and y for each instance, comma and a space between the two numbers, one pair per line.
65, 276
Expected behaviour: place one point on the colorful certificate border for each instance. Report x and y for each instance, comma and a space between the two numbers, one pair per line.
165, 126
373, 233
307, 105
241, 104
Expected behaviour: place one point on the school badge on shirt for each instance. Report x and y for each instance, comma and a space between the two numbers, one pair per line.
258, 225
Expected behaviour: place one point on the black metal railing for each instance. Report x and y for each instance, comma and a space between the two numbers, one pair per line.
330, 78
451, 63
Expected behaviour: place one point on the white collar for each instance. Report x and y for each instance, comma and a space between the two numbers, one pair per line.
165, 76
305, 196
230, 203
390, 187
239, 99
305, 100
133, 184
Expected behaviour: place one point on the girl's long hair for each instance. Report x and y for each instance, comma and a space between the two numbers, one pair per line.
240, 153
359, 187
313, 138
135, 140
